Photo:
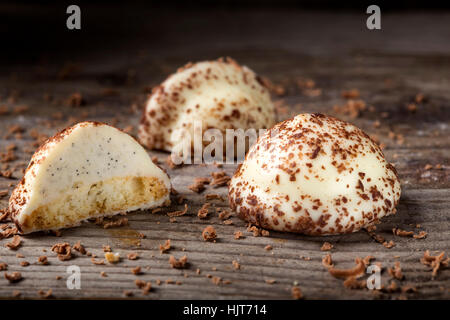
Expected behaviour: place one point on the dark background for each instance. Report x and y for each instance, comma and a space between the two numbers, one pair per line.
33, 30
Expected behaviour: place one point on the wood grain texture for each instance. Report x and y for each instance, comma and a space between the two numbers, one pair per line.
387, 68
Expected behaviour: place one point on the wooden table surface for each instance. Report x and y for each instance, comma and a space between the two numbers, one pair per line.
410, 56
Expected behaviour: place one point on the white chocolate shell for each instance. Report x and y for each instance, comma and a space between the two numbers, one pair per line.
86, 171
316, 175
221, 94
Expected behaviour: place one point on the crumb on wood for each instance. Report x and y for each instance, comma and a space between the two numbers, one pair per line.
112, 257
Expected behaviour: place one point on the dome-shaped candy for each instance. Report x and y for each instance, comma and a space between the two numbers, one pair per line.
316, 175
217, 94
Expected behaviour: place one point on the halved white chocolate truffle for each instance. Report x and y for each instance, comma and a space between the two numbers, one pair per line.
86, 171
218, 94
316, 175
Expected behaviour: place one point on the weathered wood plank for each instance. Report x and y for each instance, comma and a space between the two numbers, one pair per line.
388, 77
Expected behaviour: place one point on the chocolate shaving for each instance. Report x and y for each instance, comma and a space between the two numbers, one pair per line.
209, 233
389, 244
350, 94
378, 238
98, 262
223, 213
327, 262
199, 184
214, 196
79, 247
136, 270
15, 243
163, 248
326, 246
178, 264
13, 277
117, 223
45, 294
396, 272
146, 287
356, 271
132, 256
4, 214
435, 262
238, 235
178, 213
420, 235
408, 289
353, 283
42, 260
63, 251
402, 233
256, 231
8, 232
220, 179
296, 293
204, 210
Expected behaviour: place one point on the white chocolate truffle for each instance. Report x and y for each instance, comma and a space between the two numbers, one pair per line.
86, 171
221, 94
316, 175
